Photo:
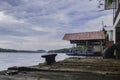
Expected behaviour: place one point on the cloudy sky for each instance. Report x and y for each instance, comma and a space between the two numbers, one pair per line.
41, 24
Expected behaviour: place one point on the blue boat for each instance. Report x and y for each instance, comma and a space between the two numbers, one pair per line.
81, 53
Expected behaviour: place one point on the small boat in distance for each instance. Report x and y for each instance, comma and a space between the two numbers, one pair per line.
82, 53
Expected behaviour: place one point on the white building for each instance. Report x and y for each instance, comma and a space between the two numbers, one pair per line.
115, 5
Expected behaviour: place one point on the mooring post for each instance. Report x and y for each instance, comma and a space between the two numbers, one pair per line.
50, 58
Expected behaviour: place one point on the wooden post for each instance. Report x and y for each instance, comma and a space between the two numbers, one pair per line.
86, 47
101, 47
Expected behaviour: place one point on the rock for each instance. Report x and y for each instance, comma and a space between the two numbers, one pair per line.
12, 72
23, 69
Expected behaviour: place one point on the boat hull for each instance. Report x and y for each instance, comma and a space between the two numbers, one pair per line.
83, 54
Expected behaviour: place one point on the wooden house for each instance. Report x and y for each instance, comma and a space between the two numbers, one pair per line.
87, 43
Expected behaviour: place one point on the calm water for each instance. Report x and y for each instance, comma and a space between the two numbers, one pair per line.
24, 59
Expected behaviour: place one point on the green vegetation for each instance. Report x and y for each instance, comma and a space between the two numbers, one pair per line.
24, 51
110, 1
59, 50
65, 50
7, 50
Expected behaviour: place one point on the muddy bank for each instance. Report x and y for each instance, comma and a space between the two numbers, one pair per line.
69, 69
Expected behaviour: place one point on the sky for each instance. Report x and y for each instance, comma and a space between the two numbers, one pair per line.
41, 24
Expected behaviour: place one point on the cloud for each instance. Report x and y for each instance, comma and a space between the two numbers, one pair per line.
8, 19
35, 24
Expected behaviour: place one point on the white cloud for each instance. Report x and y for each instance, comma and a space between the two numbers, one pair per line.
35, 24
8, 19
96, 24
61, 17
44, 29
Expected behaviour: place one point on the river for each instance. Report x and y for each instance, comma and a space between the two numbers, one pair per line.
24, 59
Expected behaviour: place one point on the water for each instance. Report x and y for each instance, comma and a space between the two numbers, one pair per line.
24, 59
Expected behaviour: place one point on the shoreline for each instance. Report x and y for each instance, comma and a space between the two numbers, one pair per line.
73, 68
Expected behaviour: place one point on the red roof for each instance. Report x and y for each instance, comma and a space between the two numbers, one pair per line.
85, 36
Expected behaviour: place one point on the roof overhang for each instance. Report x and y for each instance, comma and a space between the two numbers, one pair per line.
84, 42
100, 35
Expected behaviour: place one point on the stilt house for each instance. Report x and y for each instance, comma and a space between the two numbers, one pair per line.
87, 42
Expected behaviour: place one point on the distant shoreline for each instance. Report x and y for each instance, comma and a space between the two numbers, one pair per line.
22, 51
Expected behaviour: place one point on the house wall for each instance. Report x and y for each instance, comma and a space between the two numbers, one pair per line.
116, 25
110, 35
116, 12
118, 41
116, 22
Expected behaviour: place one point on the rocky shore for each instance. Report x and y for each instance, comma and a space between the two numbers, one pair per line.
73, 68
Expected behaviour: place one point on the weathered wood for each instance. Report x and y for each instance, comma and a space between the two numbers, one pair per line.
50, 58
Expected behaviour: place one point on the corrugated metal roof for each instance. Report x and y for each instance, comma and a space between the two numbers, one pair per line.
85, 36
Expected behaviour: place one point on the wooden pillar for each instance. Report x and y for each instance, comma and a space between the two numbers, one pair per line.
86, 47
73, 45
101, 46
74, 48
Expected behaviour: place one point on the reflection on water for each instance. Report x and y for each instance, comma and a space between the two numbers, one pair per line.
24, 59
